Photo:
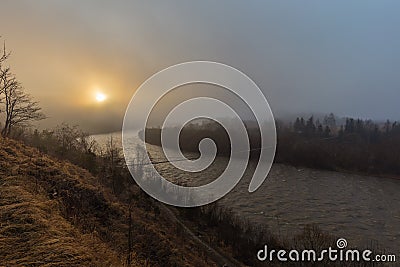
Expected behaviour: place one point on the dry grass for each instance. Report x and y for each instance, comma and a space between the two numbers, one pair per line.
34, 233
53, 213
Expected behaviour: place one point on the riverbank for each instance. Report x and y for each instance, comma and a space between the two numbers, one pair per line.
113, 176
360, 208
54, 213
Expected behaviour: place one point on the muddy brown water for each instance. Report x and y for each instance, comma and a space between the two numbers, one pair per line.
361, 209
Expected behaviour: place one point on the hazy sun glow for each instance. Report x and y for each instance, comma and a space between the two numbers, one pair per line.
100, 97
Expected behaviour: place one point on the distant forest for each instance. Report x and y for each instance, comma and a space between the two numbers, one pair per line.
357, 145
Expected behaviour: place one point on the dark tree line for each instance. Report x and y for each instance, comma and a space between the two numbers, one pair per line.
354, 145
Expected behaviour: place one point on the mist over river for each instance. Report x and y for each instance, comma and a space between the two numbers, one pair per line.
361, 209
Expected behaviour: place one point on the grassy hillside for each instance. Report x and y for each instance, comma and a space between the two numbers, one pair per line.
53, 213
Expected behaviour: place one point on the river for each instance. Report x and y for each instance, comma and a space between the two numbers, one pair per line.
364, 210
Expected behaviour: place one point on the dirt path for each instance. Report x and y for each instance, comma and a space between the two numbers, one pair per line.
214, 254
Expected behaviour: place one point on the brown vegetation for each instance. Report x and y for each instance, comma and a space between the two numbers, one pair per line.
129, 226
53, 213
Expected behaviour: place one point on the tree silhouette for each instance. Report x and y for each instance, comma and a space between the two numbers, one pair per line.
330, 121
3, 73
310, 127
19, 107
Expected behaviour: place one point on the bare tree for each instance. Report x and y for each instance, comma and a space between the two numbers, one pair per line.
67, 137
114, 161
71, 138
19, 107
3, 73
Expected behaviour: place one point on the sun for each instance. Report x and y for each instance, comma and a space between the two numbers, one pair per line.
100, 97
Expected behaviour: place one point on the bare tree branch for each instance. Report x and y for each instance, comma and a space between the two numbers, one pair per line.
18, 106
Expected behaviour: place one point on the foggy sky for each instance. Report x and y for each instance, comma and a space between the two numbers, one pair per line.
306, 56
